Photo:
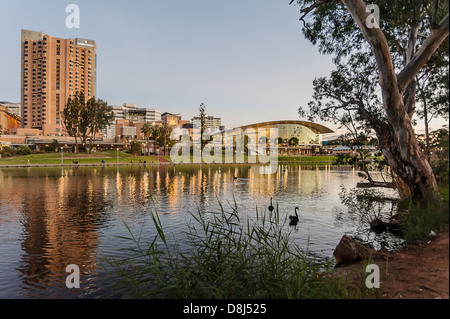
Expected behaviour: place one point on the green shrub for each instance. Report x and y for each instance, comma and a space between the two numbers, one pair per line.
444, 190
53, 147
24, 150
6, 151
422, 218
135, 148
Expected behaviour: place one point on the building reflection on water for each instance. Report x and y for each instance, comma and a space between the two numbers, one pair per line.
61, 217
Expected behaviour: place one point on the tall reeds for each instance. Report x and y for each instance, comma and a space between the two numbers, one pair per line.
225, 258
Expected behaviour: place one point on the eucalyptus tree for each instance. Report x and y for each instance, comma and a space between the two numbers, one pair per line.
433, 91
72, 115
85, 121
377, 61
82, 118
99, 116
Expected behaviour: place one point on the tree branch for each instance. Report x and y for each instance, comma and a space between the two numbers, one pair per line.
377, 124
424, 54
380, 48
306, 11
409, 99
316, 4
434, 18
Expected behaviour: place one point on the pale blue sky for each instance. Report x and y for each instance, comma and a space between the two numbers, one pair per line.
247, 60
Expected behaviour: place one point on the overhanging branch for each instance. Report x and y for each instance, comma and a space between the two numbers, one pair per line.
377, 40
307, 10
424, 54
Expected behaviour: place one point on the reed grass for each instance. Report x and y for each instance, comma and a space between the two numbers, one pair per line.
227, 258
423, 218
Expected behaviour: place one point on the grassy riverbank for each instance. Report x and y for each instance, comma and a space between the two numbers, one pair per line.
301, 159
228, 257
112, 157
109, 157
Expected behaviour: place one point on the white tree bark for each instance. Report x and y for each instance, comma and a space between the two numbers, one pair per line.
398, 140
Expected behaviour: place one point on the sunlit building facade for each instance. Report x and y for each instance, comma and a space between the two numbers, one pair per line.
52, 70
13, 108
292, 137
8, 121
306, 133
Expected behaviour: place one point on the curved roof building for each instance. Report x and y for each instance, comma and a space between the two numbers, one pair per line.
307, 133
313, 126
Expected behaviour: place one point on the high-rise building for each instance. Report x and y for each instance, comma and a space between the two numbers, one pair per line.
53, 70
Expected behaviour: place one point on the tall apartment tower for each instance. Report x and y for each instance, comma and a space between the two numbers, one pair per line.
53, 70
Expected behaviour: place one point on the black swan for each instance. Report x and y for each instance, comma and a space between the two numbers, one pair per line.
294, 219
271, 208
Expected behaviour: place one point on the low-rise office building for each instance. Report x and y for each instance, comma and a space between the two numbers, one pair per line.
8, 121
13, 108
211, 122
129, 113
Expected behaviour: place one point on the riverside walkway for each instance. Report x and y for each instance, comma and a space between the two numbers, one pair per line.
140, 164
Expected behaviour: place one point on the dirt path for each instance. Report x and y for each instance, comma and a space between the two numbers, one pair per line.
416, 272
162, 159
419, 271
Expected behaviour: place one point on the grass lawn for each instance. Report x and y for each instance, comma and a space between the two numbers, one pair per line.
110, 157
325, 158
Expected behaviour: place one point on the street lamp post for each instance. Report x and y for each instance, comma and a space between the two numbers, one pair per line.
117, 156
62, 155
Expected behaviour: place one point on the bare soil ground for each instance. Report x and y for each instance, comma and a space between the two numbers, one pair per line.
416, 272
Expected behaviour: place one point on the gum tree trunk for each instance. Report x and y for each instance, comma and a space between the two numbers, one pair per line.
397, 138
403, 154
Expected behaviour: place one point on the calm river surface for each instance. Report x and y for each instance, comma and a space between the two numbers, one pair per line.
53, 217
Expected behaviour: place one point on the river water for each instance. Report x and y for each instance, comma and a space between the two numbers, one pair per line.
53, 217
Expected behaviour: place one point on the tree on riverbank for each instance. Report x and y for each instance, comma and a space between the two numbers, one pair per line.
159, 133
166, 131
83, 119
202, 120
99, 115
377, 60
72, 115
